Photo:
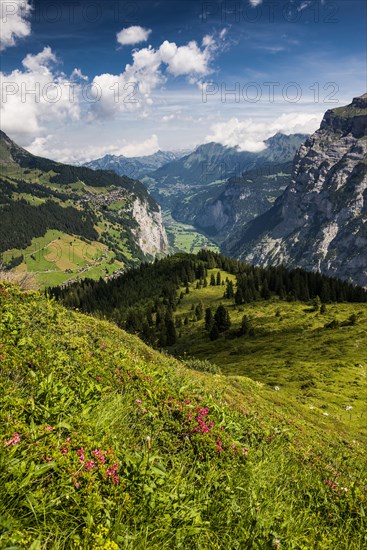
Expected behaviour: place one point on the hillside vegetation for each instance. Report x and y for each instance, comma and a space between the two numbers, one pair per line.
94, 210
107, 443
248, 321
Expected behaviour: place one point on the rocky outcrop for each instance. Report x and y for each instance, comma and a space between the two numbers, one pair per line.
320, 221
150, 234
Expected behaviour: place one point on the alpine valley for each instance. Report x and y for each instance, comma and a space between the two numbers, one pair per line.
183, 321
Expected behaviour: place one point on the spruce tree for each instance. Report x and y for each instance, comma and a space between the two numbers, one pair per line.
239, 296
199, 311
170, 332
222, 319
208, 318
245, 326
214, 333
229, 290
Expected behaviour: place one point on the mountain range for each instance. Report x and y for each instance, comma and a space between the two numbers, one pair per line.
135, 167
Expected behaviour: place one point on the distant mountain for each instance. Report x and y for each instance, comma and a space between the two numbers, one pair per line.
320, 221
197, 191
240, 200
135, 167
42, 200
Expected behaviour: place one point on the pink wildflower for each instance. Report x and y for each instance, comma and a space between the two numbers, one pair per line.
64, 451
112, 473
13, 441
100, 455
89, 465
137, 400
80, 453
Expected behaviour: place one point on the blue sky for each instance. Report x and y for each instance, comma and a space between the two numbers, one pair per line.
148, 75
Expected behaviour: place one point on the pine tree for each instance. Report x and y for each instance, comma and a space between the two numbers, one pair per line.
218, 280
239, 296
199, 310
245, 326
208, 318
222, 319
214, 333
170, 332
316, 303
187, 291
229, 290
205, 283
212, 280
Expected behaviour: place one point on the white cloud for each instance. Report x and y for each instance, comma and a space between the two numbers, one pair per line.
37, 95
187, 60
14, 21
133, 35
255, 3
132, 89
50, 147
77, 74
141, 149
249, 135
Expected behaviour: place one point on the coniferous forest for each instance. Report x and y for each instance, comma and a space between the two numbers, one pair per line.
143, 300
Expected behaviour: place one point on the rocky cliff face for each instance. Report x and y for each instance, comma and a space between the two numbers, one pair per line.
150, 234
320, 221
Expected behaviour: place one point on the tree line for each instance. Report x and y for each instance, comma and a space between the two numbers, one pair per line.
143, 300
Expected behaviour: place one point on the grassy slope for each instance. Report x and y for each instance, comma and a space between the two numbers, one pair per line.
185, 238
48, 258
322, 368
56, 273
262, 472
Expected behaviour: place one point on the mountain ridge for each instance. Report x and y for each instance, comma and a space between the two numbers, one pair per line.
319, 221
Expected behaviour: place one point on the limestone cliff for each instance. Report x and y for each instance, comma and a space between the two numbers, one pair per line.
150, 233
320, 221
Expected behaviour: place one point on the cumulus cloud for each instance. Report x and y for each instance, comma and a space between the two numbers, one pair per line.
50, 146
38, 95
189, 59
141, 149
255, 3
133, 35
14, 21
249, 135
132, 89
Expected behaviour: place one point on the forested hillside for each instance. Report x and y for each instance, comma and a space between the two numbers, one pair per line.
144, 300
61, 222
